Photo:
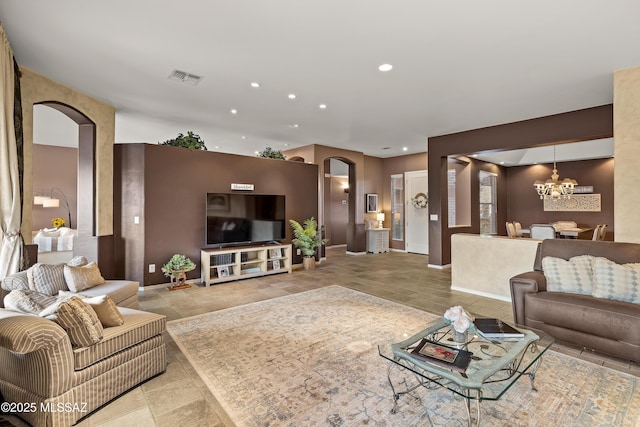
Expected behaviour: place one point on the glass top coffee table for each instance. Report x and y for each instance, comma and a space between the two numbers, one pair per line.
495, 366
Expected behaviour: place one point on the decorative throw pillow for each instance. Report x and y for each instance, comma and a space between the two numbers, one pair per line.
616, 281
106, 310
16, 281
47, 278
28, 301
573, 276
80, 321
78, 261
85, 277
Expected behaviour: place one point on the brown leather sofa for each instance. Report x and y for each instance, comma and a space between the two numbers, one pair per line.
607, 326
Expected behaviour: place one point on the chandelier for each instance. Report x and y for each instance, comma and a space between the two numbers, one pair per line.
552, 188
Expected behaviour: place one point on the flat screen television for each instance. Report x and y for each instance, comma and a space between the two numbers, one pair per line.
236, 218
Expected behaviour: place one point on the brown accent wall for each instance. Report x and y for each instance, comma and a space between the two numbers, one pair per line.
55, 167
166, 187
582, 125
524, 204
317, 154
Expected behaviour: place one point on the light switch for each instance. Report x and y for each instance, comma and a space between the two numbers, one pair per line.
136, 219
433, 217
152, 268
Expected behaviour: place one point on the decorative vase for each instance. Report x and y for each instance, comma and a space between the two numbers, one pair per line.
460, 337
308, 263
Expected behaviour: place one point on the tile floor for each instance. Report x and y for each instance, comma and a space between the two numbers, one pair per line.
179, 397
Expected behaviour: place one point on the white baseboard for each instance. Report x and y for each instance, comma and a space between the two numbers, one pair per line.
196, 281
439, 267
398, 250
356, 253
480, 293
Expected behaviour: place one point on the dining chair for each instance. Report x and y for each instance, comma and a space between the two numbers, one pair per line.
603, 232
511, 230
518, 228
596, 232
542, 231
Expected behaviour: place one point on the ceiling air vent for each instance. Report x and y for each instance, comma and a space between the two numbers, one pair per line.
184, 77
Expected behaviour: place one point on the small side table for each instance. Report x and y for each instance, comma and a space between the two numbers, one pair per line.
378, 240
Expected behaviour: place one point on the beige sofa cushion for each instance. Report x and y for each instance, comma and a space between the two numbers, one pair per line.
118, 290
138, 326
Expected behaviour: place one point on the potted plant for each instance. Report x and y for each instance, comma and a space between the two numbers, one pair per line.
190, 141
270, 153
176, 269
307, 240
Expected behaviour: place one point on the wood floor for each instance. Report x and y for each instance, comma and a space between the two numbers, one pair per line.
179, 397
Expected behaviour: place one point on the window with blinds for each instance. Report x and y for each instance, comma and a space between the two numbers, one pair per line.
488, 203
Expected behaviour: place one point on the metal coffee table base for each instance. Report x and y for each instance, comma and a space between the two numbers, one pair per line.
430, 381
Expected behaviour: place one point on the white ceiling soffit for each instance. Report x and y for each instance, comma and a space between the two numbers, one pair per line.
584, 150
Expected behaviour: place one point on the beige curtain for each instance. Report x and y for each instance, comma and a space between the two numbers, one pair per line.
10, 199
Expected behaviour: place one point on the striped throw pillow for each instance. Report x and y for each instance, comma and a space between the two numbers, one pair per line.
80, 321
47, 278
16, 281
573, 276
617, 281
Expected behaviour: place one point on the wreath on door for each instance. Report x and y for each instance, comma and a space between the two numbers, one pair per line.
420, 201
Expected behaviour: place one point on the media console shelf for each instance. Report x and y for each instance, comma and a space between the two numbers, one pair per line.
243, 262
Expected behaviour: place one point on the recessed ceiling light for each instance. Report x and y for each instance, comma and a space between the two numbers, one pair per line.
243, 137
502, 163
474, 155
256, 152
216, 147
234, 111
322, 106
286, 145
295, 125
405, 148
255, 84
292, 96
385, 67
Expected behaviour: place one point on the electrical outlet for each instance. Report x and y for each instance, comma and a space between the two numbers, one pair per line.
298, 251
152, 268
136, 219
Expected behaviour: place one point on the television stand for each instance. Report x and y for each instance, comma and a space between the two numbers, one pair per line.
220, 265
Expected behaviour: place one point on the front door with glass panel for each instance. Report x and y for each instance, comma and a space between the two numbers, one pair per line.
417, 212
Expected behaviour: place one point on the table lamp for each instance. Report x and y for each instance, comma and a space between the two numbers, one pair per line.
380, 218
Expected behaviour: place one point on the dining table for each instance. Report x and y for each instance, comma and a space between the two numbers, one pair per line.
571, 233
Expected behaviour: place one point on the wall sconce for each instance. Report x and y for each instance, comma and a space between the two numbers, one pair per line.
47, 200
380, 218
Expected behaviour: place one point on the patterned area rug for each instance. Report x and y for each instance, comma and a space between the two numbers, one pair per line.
311, 359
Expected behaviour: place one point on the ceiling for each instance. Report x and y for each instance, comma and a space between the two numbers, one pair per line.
456, 65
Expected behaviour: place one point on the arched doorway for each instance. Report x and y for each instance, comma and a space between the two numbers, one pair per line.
338, 200
85, 213
55, 182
